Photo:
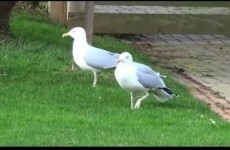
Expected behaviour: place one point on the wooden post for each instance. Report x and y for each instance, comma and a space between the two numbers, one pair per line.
58, 11
89, 19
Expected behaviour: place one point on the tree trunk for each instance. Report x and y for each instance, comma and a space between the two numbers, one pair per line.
5, 10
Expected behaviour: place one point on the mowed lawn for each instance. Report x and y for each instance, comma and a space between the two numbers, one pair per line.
45, 103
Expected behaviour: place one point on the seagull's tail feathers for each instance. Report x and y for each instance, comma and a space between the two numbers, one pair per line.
164, 94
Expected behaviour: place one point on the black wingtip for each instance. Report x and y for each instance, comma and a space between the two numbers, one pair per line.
170, 92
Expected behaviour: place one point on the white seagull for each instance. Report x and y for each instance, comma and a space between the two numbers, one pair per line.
88, 57
136, 78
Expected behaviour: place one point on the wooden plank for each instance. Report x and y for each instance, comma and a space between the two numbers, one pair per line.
147, 23
163, 3
108, 9
75, 8
161, 23
167, 3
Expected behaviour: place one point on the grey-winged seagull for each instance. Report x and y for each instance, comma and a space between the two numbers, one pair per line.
136, 77
88, 57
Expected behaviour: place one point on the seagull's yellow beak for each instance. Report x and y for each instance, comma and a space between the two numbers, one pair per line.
65, 35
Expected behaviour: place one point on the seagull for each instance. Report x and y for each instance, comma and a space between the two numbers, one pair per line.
88, 57
136, 77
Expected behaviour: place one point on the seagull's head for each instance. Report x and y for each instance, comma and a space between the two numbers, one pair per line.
77, 33
125, 57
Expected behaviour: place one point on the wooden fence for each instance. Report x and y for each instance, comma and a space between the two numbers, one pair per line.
171, 17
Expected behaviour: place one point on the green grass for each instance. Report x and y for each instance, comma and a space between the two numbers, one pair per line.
44, 103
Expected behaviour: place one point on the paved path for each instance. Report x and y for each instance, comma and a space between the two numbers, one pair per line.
201, 61
205, 58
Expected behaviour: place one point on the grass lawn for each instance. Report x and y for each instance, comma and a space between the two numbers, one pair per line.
45, 103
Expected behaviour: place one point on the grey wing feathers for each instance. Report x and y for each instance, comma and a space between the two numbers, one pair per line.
116, 55
100, 59
147, 69
144, 68
151, 81
148, 77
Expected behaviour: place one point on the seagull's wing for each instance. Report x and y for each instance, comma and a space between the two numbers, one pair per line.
152, 80
99, 58
144, 68
115, 54
149, 80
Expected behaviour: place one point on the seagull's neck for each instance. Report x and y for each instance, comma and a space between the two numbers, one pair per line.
81, 44
81, 40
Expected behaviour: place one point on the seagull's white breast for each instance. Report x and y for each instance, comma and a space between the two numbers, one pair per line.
78, 59
127, 78
78, 55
